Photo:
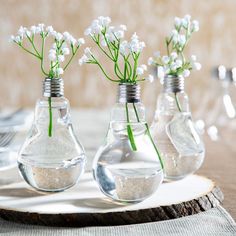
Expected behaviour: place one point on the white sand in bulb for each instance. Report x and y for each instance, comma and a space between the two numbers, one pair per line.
135, 188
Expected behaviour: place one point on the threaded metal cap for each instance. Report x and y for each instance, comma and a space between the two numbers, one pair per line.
129, 93
53, 87
173, 84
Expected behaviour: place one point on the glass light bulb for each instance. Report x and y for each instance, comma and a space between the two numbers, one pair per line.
51, 163
174, 133
127, 167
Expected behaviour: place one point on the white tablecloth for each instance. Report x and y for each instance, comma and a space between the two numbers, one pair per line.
212, 222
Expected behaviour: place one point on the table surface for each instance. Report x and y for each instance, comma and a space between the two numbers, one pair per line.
220, 166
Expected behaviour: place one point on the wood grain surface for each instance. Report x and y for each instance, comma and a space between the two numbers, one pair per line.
85, 205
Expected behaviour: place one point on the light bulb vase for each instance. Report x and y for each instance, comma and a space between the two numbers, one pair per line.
174, 133
52, 158
128, 167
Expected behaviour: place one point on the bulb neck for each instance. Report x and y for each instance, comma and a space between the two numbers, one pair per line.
129, 93
53, 87
173, 84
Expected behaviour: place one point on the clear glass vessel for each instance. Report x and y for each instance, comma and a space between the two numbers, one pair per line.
52, 159
128, 167
174, 133
221, 118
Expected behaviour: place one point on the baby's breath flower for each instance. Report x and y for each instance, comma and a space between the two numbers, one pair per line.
182, 40
186, 73
81, 41
41, 27
117, 49
124, 48
178, 63
88, 31
193, 58
150, 61
33, 29
175, 63
144, 67
49, 29
61, 58
139, 70
59, 71
59, 36
18, 39
87, 51
104, 21
52, 56
83, 60
195, 26
65, 51
135, 45
160, 72
56, 54
150, 78
165, 59
174, 55
197, 66
174, 33
177, 22
123, 27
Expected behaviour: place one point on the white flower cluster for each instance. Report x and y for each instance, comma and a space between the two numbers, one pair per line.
134, 46
186, 23
175, 63
45, 31
110, 41
101, 26
87, 57
107, 34
187, 27
64, 44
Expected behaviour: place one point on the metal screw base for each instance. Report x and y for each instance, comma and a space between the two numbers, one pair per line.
173, 84
129, 93
53, 87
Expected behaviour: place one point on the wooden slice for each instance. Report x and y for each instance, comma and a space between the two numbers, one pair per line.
85, 205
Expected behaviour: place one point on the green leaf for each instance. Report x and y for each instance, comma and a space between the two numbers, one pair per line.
131, 138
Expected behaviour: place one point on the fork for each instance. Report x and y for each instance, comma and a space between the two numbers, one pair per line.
6, 138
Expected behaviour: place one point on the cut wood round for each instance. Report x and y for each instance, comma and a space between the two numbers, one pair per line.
85, 205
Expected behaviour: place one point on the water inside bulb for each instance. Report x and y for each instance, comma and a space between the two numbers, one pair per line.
174, 134
123, 174
51, 163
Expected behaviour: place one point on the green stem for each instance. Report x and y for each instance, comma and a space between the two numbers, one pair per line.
129, 68
42, 56
150, 137
136, 113
129, 130
103, 71
167, 47
154, 146
117, 71
177, 103
98, 43
108, 45
32, 43
73, 54
29, 51
135, 57
50, 117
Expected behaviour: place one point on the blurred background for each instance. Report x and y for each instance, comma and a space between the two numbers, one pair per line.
85, 87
